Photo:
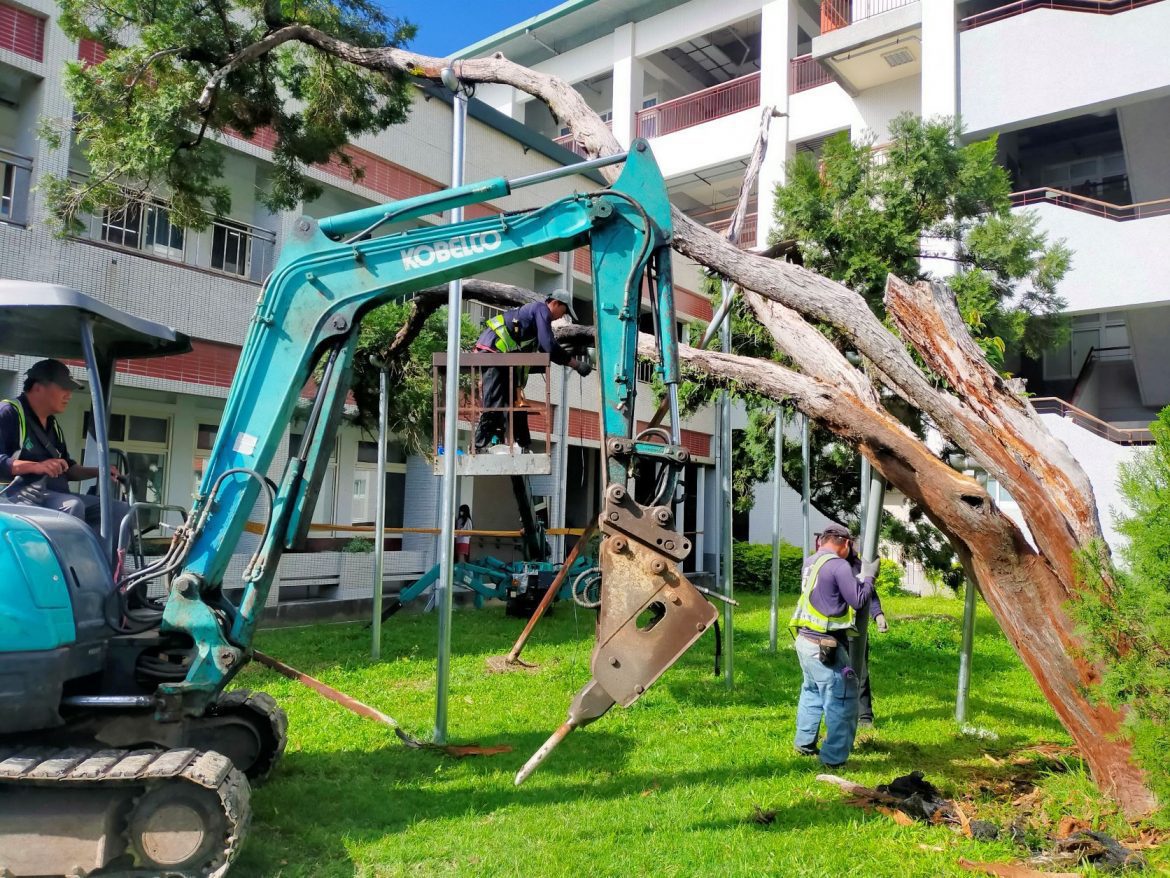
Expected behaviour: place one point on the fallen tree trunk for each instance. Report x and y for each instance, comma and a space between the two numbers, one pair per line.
1025, 586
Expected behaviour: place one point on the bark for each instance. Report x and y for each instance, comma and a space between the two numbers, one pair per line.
1026, 586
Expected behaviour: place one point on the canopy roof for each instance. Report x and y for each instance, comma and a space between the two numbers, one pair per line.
45, 320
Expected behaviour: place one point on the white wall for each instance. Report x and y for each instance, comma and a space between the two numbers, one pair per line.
1149, 339
712, 143
1101, 460
829, 108
1145, 132
1046, 64
1114, 264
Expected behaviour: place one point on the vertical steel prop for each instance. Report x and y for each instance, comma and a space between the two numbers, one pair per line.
777, 481
380, 512
805, 486
875, 496
726, 512
561, 477
965, 651
444, 585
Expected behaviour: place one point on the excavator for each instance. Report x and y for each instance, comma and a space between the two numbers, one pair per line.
122, 752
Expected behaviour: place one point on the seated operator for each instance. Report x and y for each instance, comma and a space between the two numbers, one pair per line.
520, 331
33, 455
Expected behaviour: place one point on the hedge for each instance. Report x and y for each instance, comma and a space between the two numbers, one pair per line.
753, 569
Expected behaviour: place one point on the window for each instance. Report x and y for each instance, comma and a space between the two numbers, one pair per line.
649, 102
7, 191
229, 247
143, 225
204, 441
144, 445
362, 510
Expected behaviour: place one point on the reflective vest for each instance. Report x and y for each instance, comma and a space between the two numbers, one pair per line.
15, 403
806, 615
505, 343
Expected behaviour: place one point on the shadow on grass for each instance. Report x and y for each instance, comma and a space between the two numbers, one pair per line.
329, 800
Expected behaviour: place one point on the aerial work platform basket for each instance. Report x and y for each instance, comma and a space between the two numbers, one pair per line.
506, 458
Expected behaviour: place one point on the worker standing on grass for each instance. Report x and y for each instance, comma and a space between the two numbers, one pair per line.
864, 692
830, 595
520, 330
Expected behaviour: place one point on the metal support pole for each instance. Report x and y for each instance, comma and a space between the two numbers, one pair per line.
965, 651
805, 485
866, 468
561, 477
726, 515
380, 515
871, 526
101, 436
444, 585
777, 481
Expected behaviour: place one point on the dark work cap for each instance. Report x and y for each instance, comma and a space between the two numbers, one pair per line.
53, 372
838, 531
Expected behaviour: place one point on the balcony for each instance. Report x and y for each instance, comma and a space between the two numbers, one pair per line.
836, 14
698, 107
1009, 10
228, 247
747, 229
1085, 204
1056, 63
867, 43
805, 73
15, 180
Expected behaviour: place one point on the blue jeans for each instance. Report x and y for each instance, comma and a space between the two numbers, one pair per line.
829, 691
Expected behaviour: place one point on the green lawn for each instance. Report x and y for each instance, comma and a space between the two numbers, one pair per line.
664, 788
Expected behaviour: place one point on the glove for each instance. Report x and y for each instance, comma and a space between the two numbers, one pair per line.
869, 569
882, 625
583, 367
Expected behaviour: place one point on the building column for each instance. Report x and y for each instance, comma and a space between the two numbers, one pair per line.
940, 59
777, 49
627, 84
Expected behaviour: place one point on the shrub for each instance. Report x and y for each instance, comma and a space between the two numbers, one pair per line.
358, 546
753, 567
889, 578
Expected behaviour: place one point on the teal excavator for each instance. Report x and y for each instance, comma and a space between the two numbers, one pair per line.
121, 753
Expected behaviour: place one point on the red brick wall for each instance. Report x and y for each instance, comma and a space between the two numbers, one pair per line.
209, 363
22, 32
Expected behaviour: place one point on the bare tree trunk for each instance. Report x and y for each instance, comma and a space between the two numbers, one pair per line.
1025, 586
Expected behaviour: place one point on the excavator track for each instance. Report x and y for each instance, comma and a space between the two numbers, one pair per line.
269, 721
76, 812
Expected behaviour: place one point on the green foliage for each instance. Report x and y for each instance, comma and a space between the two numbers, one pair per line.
861, 214
753, 568
889, 578
137, 115
410, 415
1128, 626
358, 546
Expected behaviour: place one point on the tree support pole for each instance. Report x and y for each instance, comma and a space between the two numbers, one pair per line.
725, 505
444, 586
871, 527
777, 481
965, 651
380, 515
805, 490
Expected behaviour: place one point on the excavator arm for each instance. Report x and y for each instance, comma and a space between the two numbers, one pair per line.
329, 276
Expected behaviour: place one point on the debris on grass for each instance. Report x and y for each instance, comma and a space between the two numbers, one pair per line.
762, 817
499, 664
1012, 870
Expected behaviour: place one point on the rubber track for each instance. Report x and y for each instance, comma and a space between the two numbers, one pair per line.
264, 705
75, 768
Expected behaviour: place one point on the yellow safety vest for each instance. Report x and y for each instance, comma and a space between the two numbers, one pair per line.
806, 615
505, 343
15, 403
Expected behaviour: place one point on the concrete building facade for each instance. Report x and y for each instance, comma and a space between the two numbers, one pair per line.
1078, 94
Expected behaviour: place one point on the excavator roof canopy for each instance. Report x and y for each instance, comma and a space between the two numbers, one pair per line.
45, 320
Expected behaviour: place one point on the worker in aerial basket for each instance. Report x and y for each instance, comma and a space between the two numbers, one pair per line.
822, 623
521, 330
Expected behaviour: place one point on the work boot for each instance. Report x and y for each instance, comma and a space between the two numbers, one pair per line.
808, 750
865, 722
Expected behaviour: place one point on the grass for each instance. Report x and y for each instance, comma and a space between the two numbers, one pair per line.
664, 788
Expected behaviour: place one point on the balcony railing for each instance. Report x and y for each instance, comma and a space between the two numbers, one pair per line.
805, 73
15, 182
1084, 204
1051, 405
698, 107
570, 142
227, 247
747, 229
836, 14
1099, 7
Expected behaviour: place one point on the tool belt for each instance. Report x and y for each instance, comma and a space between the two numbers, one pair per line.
826, 647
